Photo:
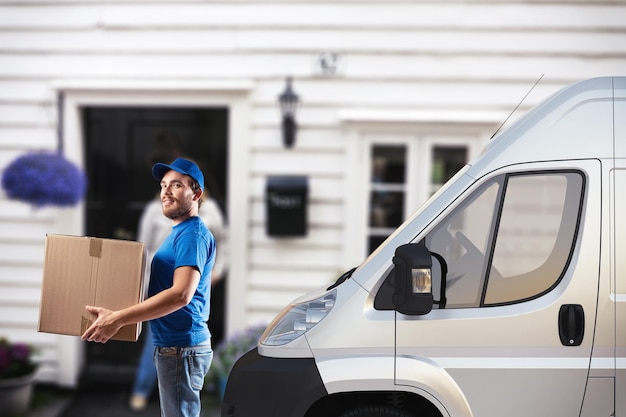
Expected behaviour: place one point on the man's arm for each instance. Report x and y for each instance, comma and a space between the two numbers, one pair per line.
107, 323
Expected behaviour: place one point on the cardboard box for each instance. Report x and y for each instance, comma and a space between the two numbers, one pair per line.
80, 271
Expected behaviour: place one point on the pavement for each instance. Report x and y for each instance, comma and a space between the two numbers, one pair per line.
103, 390
107, 401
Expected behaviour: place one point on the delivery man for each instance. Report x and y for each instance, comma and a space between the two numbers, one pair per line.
179, 293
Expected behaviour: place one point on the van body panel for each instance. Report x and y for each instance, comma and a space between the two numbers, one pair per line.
430, 379
374, 373
599, 398
353, 312
617, 291
565, 138
620, 117
540, 402
618, 258
529, 241
360, 372
603, 355
559, 128
516, 348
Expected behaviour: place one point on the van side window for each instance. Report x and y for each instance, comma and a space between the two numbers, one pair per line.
509, 241
535, 236
463, 240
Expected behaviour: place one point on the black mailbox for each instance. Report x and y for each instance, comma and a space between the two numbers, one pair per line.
286, 199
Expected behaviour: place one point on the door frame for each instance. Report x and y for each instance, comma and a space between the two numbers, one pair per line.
233, 95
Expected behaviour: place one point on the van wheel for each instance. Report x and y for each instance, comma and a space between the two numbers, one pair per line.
377, 411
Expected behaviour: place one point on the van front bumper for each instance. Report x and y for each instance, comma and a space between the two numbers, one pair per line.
261, 386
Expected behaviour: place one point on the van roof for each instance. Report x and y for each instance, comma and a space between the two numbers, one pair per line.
577, 122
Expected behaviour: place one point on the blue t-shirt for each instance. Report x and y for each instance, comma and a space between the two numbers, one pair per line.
189, 244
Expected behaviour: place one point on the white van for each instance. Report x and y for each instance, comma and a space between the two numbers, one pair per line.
504, 295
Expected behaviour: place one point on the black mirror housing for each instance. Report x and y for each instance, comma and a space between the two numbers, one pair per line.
412, 293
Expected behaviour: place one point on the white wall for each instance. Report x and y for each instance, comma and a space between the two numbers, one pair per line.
403, 64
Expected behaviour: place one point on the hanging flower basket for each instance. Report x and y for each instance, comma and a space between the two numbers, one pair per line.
44, 179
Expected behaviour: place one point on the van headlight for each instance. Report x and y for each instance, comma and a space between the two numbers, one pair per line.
296, 319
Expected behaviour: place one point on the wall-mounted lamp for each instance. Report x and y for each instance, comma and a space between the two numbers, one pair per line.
288, 105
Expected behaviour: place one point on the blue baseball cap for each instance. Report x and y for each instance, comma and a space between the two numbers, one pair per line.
182, 166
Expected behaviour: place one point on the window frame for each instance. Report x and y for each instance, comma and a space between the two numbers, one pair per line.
494, 234
418, 186
382, 300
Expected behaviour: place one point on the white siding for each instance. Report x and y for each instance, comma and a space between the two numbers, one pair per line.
403, 64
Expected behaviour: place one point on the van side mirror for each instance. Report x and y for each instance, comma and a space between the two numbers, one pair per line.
412, 292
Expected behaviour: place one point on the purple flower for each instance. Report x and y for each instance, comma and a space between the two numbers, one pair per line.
20, 352
44, 178
229, 350
15, 359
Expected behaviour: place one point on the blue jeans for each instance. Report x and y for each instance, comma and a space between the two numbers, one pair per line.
146, 377
181, 372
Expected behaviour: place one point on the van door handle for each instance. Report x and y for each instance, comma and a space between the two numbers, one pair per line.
571, 324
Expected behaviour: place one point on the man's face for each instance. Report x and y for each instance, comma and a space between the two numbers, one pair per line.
177, 197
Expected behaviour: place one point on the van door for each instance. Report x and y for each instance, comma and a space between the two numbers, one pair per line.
516, 328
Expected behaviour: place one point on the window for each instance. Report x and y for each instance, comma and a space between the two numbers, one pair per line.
510, 240
447, 161
396, 185
387, 191
535, 235
462, 240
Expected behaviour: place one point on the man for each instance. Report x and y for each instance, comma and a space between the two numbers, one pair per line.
179, 294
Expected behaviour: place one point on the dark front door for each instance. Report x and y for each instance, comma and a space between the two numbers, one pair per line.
121, 145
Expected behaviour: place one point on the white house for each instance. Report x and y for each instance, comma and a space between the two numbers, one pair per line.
413, 87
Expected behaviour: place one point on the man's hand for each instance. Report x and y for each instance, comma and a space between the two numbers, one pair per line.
103, 328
